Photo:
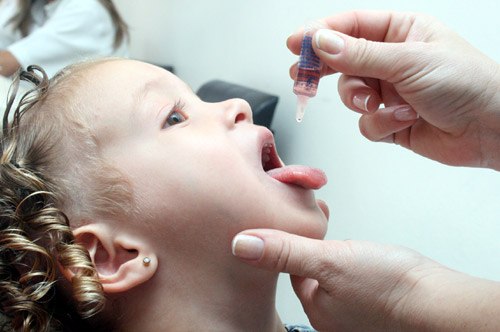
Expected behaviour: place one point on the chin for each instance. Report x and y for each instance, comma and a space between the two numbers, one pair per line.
311, 223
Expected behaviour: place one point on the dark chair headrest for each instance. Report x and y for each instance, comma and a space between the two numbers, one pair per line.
263, 104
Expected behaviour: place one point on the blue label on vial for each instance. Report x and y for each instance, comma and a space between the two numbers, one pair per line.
308, 59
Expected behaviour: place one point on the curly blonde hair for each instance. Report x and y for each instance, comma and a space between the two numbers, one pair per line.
51, 173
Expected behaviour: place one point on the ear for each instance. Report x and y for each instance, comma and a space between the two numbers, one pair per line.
119, 257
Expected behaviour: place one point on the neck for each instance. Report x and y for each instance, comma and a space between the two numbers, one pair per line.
240, 299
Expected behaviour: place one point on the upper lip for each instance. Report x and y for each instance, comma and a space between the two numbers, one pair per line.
269, 156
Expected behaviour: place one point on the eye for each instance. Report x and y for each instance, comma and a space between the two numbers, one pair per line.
175, 116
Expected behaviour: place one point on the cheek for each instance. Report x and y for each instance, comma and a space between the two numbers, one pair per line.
190, 194
190, 188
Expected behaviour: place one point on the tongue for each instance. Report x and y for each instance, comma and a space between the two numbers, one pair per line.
303, 176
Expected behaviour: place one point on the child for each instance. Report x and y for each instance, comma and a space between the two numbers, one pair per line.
120, 193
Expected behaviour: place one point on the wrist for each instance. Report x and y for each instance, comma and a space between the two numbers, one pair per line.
447, 300
489, 123
415, 311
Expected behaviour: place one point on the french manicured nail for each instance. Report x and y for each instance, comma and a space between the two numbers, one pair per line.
328, 41
405, 113
247, 247
361, 101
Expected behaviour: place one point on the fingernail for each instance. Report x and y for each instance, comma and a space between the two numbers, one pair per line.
405, 113
328, 41
361, 101
247, 247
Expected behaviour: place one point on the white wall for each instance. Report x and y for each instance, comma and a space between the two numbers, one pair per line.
376, 192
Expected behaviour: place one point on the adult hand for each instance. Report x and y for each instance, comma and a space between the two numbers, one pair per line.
441, 95
363, 286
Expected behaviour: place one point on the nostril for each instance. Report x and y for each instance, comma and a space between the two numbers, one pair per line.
240, 117
236, 111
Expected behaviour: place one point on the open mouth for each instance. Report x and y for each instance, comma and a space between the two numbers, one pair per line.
270, 159
300, 176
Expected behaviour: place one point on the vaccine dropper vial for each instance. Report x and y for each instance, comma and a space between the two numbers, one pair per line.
308, 74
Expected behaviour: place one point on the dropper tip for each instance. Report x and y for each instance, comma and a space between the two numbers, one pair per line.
301, 108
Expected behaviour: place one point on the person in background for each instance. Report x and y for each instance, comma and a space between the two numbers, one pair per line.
56, 33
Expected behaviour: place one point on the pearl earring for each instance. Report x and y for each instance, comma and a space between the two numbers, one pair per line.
146, 261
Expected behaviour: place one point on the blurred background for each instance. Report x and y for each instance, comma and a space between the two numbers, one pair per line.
376, 192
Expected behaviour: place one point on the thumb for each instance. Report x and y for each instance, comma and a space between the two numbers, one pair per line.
361, 57
279, 251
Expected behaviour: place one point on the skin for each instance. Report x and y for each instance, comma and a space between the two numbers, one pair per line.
414, 60
8, 63
451, 93
363, 286
196, 183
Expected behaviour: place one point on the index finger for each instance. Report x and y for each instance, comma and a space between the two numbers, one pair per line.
369, 24
279, 251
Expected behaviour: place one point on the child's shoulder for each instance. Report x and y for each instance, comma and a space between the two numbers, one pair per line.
298, 328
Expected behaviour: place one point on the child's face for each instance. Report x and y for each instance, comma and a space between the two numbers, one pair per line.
195, 167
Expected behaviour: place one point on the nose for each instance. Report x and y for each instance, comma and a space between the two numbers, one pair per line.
237, 111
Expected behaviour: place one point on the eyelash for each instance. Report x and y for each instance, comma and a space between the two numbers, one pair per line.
176, 109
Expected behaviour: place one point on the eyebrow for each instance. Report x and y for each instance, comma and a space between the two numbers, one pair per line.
142, 93
140, 96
